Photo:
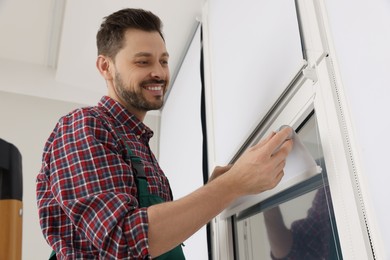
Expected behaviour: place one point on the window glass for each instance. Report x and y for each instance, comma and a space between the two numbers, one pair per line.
298, 223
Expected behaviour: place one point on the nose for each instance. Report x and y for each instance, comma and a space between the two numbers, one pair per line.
159, 71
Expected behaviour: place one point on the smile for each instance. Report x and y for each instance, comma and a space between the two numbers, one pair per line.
154, 88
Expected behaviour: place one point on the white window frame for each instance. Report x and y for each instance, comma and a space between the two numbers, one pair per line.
317, 86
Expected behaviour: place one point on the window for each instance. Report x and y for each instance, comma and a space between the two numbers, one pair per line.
314, 105
303, 211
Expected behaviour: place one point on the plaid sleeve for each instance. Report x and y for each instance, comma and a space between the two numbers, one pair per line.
92, 185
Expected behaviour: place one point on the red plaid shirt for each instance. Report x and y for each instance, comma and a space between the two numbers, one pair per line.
86, 191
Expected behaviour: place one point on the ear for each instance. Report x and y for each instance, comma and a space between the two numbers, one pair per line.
104, 65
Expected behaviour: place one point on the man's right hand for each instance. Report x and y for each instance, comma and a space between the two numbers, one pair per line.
260, 167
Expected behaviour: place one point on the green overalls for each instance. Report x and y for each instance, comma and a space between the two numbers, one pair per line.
145, 199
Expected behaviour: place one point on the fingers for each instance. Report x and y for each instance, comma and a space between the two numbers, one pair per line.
280, 166
278, 178
222, 169
279, 173
271, 181
279, 140
274, 141
219, 170
266, 140
261, 167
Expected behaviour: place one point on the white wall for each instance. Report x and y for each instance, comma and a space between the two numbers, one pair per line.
361, 38
25, 23
39, 81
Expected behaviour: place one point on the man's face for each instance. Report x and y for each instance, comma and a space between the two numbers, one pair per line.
141, 71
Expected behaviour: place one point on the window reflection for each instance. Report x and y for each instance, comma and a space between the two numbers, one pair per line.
298, 225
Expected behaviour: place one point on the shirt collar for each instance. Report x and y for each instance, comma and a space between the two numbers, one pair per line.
124, 117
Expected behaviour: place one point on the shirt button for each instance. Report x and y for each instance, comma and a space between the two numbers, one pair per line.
138, 136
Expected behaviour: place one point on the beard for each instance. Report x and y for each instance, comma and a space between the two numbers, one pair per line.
135, 98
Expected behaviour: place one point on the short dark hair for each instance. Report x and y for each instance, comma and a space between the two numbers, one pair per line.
110, 36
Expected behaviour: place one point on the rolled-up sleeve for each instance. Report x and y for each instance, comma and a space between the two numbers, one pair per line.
85, 194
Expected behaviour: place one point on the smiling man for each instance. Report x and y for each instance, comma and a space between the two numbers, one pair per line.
138, 75
101, 193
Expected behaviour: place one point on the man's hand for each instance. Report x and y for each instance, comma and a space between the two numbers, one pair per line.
218, 171
260, 167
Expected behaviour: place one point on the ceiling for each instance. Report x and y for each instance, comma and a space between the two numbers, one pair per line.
47, 47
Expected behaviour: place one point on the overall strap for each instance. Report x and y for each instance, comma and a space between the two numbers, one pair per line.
146, 199
140, 176
139, 172
136, 163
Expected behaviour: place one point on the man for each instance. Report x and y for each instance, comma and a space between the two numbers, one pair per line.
88, 187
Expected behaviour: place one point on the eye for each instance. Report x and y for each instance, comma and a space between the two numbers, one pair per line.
142, 62
164, 62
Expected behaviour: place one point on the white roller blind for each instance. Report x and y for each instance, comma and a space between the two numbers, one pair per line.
256, 51
181, 139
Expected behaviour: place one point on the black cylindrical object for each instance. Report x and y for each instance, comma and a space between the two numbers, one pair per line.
11, 193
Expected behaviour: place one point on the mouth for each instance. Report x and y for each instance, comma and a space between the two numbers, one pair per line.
155, 88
